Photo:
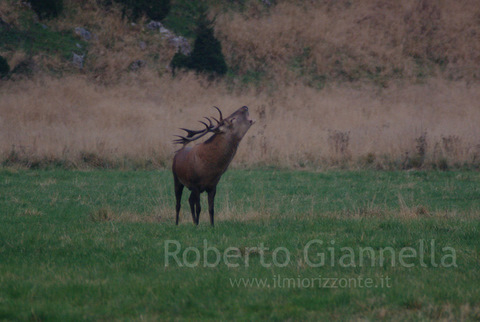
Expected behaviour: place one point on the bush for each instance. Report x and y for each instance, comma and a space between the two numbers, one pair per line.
180, 60
46, 9
207, 56
153, 9
207, 53
4, 67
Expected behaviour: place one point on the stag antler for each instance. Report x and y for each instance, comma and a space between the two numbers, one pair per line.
193, 135
219, 112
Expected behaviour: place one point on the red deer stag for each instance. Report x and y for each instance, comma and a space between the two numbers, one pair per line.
200, 167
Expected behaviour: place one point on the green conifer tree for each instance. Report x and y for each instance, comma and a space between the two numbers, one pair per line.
207, 53
4, 67
206, 56
47, 9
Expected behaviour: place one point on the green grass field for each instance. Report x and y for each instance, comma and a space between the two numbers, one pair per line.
83, 245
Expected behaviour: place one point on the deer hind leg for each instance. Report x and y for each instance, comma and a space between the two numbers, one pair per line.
178, 196
194, 201
198, 208
211, 201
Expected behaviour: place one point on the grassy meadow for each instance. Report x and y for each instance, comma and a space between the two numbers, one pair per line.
98, 244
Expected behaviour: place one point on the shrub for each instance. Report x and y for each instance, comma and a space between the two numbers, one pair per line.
153, 9
207, 53
206, 56
46, 9
4, 67
24, 68
179, 60
338, 142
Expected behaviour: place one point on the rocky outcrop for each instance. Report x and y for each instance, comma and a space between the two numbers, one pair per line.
84, 33
180, 43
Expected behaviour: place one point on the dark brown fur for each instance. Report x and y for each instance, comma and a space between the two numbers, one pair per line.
200, 167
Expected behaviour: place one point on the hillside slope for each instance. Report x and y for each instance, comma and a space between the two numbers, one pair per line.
311, 42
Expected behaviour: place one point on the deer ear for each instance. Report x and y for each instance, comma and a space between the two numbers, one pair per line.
226, 125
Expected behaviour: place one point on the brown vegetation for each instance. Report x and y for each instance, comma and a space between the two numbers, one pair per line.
73, 121
399, 88
351, 40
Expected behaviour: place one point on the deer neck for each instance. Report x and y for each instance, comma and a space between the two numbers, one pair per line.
218, 151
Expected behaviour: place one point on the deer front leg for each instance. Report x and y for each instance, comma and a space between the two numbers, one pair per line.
211, 201
194, 201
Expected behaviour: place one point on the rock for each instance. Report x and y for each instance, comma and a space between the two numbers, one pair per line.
165, 32
181, 44
142, 45
84, 33
78, 60
136, 65
152, 25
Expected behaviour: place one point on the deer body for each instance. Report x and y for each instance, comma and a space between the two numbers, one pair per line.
199, 168
202, 166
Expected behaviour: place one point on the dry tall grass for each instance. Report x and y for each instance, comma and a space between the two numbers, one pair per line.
73, 120
356, 39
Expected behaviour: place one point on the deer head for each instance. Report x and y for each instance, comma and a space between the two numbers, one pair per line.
234, 126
